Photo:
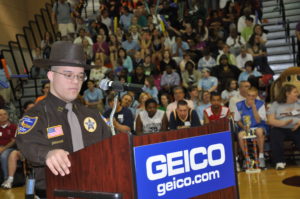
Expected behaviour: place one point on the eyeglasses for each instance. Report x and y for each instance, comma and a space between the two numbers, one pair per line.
71, 76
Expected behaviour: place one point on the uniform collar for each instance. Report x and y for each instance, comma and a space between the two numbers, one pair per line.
58, 103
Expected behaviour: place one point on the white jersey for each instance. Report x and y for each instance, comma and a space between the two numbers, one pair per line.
151, 125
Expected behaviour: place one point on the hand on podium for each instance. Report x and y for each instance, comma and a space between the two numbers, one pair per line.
58, 162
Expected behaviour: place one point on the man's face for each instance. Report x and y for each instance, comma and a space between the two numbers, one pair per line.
126, 101
3, 116
244, 87
66, 81
178, 94
216, 101
251, 96
182, 111
151, 109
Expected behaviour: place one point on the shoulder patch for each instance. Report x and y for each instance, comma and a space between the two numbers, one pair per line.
26, 124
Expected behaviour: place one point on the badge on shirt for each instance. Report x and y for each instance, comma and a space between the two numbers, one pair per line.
187, 123
90, 124
26, 124
54, 131
121, 118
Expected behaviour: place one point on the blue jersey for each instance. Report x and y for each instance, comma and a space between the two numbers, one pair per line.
246, 112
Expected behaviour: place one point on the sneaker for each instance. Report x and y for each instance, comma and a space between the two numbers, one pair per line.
262, 162
280, 165
7, 184
238, 168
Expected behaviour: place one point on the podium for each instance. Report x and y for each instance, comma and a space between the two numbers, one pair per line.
109, 166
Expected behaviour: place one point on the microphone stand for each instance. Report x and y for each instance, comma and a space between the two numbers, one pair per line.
111, 117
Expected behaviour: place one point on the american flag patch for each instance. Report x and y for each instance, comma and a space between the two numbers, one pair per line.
54, 131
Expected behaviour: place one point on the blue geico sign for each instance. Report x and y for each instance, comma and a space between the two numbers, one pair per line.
184, 168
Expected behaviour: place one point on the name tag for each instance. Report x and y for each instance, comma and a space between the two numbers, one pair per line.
187, 123
0, 133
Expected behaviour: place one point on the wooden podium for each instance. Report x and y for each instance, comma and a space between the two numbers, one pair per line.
108, 166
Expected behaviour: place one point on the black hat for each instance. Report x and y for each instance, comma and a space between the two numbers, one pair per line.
64, 53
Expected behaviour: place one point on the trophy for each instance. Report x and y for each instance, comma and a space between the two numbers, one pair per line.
251, 165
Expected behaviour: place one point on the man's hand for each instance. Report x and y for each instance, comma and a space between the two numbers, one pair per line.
58, 162
296, 126
1, 149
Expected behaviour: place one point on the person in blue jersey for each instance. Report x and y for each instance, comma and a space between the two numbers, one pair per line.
250, 115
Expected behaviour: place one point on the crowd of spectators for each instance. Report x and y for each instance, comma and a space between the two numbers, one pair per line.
196, 64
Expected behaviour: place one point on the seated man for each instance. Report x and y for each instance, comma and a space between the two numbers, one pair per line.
178, 95
183, 117
151, 120
216, 110
14, 156
251, 114
7, 140
123, 119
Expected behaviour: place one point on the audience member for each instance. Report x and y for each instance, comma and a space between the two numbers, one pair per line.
45, 90
123, 118
164, 101
205, 103
248, 30
225, 71
249, 71
216, 110
151, 120
207, 61
150, 88
194, 95
178, 93
283, 116
93, 96
82, 36
183, 116
169, 79
207, 82
243, 57
230, 91
61, 15
7, 140
14, 156
241, 95
235, 42
250, 115
98, 73
190, 76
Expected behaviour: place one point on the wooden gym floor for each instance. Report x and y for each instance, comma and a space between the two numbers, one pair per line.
265, 185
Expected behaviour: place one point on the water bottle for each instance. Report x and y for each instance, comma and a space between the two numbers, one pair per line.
30, 184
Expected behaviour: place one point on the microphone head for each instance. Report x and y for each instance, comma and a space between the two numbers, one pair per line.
104, 84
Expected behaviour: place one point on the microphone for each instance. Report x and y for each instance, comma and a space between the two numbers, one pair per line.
106, 84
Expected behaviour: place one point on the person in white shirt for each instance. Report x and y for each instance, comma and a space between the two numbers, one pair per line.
242, 19
178, 95
207, 61
243, 57
235, 41
82, 36
243, 89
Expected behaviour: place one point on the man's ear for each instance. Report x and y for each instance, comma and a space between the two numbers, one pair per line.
50, 75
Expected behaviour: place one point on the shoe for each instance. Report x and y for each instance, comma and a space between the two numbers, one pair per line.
262, 162
7, 184
280, 165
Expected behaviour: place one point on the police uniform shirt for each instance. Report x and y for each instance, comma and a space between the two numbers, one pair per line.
45, 127
177, 123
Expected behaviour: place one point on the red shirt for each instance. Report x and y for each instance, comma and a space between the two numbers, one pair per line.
7, 133
224, 111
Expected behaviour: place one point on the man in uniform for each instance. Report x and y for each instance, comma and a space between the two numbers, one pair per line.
45, 136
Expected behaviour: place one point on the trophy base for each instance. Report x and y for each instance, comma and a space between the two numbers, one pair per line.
249, 137
253, 171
